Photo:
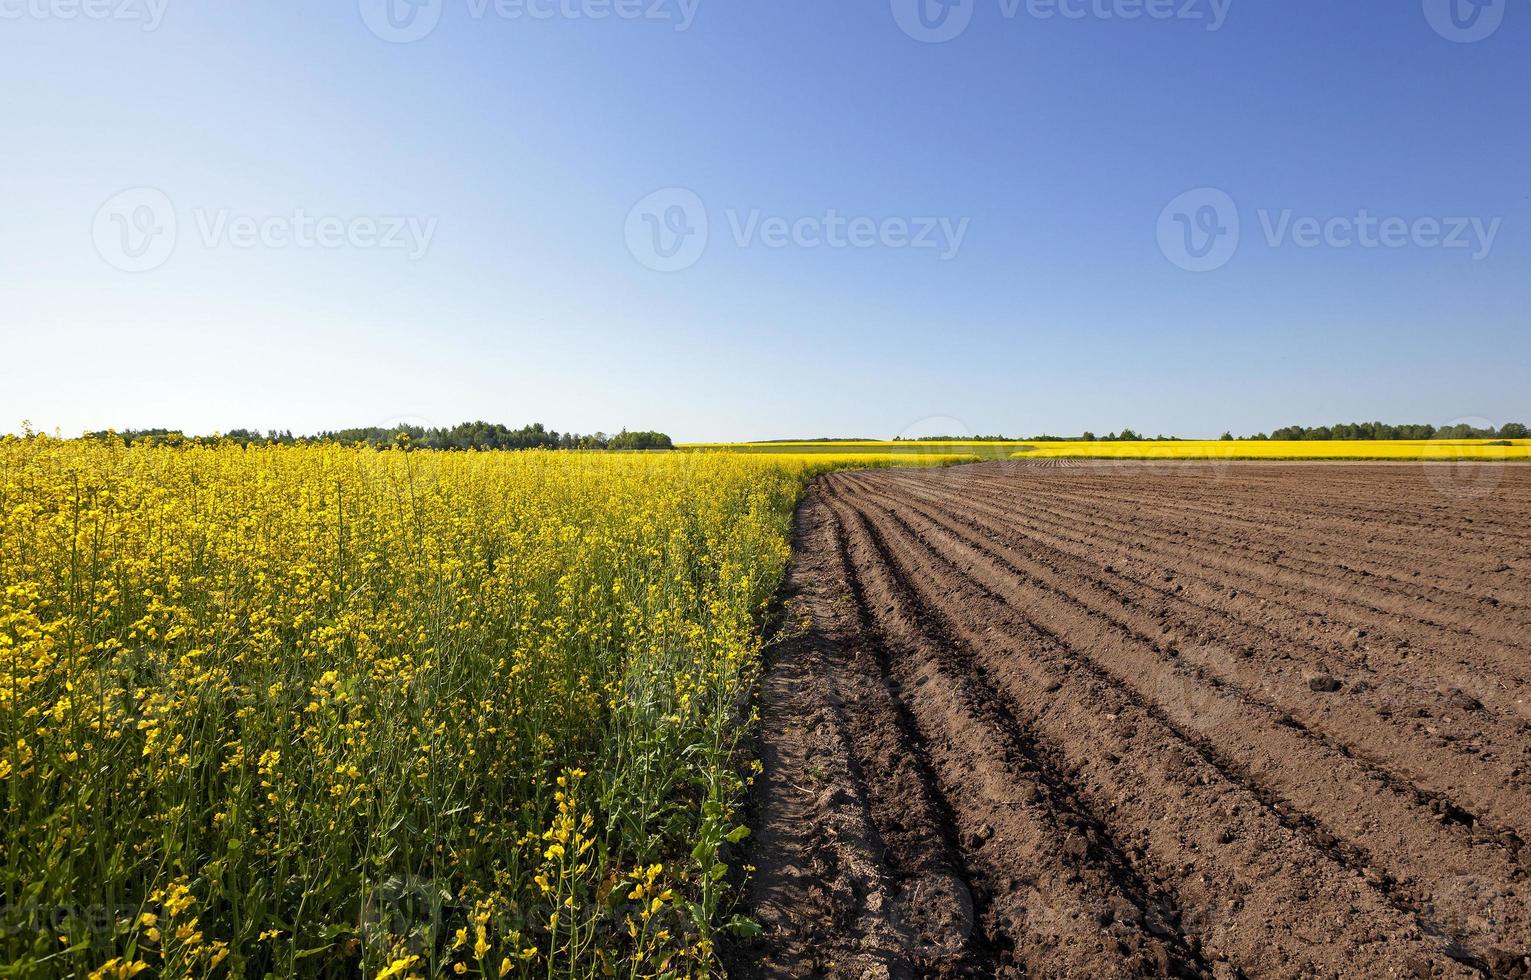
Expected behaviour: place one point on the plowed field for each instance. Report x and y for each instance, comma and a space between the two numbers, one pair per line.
1095, 721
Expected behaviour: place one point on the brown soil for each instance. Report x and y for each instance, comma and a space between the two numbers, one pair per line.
1212, 720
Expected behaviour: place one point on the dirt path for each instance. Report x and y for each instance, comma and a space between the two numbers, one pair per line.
1113, 721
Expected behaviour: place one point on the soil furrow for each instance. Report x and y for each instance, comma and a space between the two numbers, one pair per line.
1268, 571
1498, 519
936, 903
1269, 561
1111, 721
1441, 860
1333, 552
1278, 686
1097, 916
1135, 759
1295, 770
1380, 635
823, 894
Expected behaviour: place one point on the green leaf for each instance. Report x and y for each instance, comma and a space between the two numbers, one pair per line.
744, 926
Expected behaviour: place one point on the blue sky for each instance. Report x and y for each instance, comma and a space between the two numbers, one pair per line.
344, 230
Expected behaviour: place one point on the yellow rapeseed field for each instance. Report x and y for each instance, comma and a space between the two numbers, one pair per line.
321, 711
1433, 450
1401, 450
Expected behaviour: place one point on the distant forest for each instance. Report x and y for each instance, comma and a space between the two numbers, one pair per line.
468, 435
485, 435
1352, 431
1126, 435
1378, 430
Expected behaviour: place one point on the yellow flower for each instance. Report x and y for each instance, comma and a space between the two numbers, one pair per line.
117, 969
397, 967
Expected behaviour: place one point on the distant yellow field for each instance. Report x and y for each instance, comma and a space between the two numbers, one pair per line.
1410, 451
915, 453
814, 462
841, 455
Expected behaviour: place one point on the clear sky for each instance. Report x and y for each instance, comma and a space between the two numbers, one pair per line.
305, 215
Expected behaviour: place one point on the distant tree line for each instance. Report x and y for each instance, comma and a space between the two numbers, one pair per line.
1354, 431
1343, 431
1126, 435
468, 435
953, 439
772, 442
